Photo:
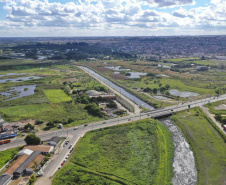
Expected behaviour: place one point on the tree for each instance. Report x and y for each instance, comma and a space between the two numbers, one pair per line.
162, 89
94, 109
50, 124
32, 139
218, 117
167, 86
29, 127
155, 91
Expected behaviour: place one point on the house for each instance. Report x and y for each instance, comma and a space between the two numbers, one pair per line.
54, 141
44, 149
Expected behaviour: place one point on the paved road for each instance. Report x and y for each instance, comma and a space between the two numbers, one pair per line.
153, 113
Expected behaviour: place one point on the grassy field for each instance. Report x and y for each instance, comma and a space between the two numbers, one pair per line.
49, 112
137, 153
57, 95
7, 155
208, 146
15, 61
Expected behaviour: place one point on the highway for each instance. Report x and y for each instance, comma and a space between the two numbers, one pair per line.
74, 135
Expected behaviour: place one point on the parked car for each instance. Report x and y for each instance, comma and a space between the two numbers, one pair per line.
76, 128
85, 125
59, 167
62, 163
104, 122
70, 146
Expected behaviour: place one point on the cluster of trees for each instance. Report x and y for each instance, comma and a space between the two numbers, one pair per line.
94, 109
220, 90
155, 90
219, 118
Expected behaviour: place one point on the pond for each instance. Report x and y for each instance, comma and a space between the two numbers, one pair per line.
136, 74
164, 66
163, 75
19, 79
182, 94
12, 74
161, 98
19, 91
117, 68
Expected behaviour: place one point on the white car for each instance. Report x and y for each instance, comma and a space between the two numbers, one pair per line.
76, 128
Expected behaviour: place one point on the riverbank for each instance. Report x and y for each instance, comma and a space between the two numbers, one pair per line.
208, 146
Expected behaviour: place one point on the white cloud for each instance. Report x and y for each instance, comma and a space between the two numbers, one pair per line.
110, 15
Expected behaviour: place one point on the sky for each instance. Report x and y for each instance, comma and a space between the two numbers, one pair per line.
67, 18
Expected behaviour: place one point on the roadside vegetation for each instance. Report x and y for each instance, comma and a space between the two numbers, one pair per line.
136, 153
8, 154
208, 145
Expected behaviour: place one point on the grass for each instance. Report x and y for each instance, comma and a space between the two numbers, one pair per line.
6, 155
59, 113
57, 95
137, 153
208, 146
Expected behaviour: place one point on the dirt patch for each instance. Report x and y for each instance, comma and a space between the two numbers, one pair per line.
20, 181
118, 76
43, 181
220, 107
23, 122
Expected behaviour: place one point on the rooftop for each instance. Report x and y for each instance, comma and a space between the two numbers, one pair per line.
16, 164
42, 148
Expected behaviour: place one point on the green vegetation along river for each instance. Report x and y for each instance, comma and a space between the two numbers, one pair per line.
135, 153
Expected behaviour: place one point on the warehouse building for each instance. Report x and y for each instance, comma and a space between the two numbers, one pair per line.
22, 169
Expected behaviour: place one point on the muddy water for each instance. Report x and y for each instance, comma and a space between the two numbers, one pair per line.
185, 172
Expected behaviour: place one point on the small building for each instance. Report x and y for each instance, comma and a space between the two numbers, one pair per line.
54, 141
44, 149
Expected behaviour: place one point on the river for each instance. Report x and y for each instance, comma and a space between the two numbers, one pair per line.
185, 172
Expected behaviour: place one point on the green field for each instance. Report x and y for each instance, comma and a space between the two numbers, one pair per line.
137, 153
57, 95
6, 155
59, 113
208, 146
